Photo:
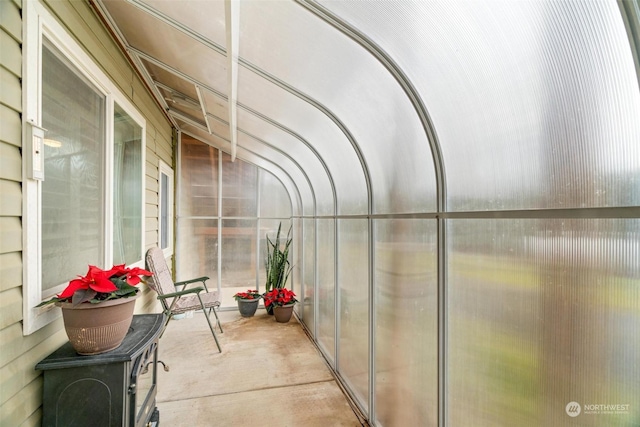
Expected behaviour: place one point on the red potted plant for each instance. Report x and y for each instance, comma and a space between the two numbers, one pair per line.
248, 302
282, 300
97, 308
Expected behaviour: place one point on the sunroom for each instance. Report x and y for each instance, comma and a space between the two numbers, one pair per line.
461, 181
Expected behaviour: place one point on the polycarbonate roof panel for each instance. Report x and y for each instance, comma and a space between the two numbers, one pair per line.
164, 77
216, 105
295, 46
170, 46
304, 119
205, 18
535, 103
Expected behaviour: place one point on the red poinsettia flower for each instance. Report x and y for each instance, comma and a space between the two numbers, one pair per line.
95, 279
279, 297
101, 285
249, 294
133, 275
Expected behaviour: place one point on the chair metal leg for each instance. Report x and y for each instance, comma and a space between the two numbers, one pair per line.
215, 312
213, 331
164, 328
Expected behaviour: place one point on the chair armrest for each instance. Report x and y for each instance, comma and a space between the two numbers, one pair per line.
180, 293
202, 280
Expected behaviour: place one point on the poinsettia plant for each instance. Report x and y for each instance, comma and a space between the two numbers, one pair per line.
101, 285
278, 297
250, 294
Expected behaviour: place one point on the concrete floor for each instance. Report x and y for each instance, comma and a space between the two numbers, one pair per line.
268, 374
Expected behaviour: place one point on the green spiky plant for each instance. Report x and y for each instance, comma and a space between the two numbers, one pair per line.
277, 263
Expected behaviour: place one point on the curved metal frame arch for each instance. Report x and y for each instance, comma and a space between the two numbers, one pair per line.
327, 112
409, 89
271, 146
303, 141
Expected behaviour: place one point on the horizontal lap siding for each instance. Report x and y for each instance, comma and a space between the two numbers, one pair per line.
20, 384
16, 374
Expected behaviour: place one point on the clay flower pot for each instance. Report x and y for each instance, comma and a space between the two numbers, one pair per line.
248, 307
283, 313
97, 328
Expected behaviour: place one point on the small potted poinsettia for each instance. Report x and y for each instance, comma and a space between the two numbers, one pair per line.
282, 300
97, 308
248, 302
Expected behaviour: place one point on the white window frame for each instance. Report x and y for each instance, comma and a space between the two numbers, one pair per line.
165, 169
37, 23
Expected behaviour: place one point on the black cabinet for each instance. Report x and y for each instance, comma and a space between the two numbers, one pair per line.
117, 388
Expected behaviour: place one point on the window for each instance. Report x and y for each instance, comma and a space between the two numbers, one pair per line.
72, 207
127, 188
89, 208
165, 208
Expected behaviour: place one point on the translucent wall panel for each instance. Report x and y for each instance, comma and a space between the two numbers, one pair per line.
274, 200
239, 188
308, 275
536, 103
198, 195
542, 313
353, 279
331, 68
284, 164
197, 250
290, 187
300, 116
406, 328
326, 286
296, 148
238, 265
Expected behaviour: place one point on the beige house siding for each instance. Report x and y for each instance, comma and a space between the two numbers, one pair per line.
20, 383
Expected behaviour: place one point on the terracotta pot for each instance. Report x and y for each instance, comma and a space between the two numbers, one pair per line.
248, 307
283, 313
97, 328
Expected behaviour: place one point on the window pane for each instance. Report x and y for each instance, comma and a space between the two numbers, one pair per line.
197, 248
326, 285
353, 275
239, 254
72, 193
127, 188
542, 311
406, 322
